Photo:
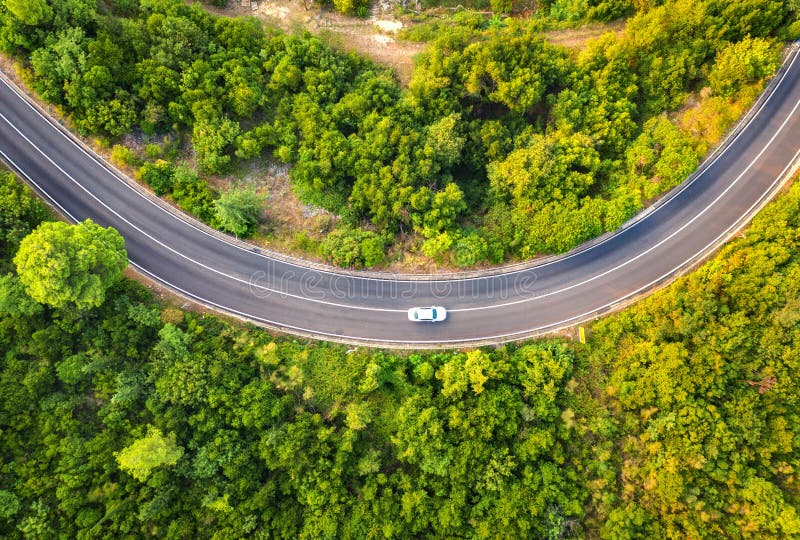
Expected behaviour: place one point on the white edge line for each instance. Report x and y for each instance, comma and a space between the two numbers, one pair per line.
532, 332
738, 131
528, 332
168, 248
671, 235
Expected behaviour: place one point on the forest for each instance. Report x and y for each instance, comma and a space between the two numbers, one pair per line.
502, 147
121, 416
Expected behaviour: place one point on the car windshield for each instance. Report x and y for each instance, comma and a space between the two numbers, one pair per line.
433, 313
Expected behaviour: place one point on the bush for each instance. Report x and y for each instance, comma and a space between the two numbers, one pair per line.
372, 253
122, 155
792, 32
741, 63
353, 248
500, 6
158, 175
469, 250
20, 213
304, 242
153, 151
194, 195
342, 248
237, 210
352, 7
434, 247
661, 157
212, 140
609, 10
568, 10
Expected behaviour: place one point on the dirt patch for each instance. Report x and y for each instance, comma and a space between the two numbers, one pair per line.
284, 216
388, 25
576, 38
373, 38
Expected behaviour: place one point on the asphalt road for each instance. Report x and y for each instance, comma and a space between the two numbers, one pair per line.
508, 304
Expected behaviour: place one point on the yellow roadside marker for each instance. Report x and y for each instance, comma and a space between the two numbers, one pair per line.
582, 334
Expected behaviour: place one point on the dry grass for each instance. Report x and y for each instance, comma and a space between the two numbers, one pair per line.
707, 118
284, 215
372, 38
576, 38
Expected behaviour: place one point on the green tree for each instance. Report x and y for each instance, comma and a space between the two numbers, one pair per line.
742, 63
353, 248
662, 156
469, 250
443, 141
13, 298
30, 12
9, 504
60, 64
20, 213
548, 168
238, 210
437, 212
149, 452
70, 265
512, 70
194, 195
158, 174
372, 250
212, 139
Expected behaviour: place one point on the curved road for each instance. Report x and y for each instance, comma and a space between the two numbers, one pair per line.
509, 304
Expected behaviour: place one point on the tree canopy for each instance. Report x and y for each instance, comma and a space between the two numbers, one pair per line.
238, 209
679, 418
145, 454
20, 215
70, 265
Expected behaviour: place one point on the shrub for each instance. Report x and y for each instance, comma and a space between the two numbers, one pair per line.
194, 195
500, 6
158, 175
153, 151
741, 63
20, 213
352, 7
122, 155
304, 242
237, 210
372, 253
469, 250
437, 245
342, 248
211, 140
353, 248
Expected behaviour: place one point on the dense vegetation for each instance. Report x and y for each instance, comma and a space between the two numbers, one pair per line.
554, 10
502, 146
70, 266
680, 418
695, 397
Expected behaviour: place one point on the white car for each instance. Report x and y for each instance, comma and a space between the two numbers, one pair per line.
427, 314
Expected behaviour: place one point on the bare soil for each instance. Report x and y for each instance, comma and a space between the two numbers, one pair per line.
576, 38
373, 37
